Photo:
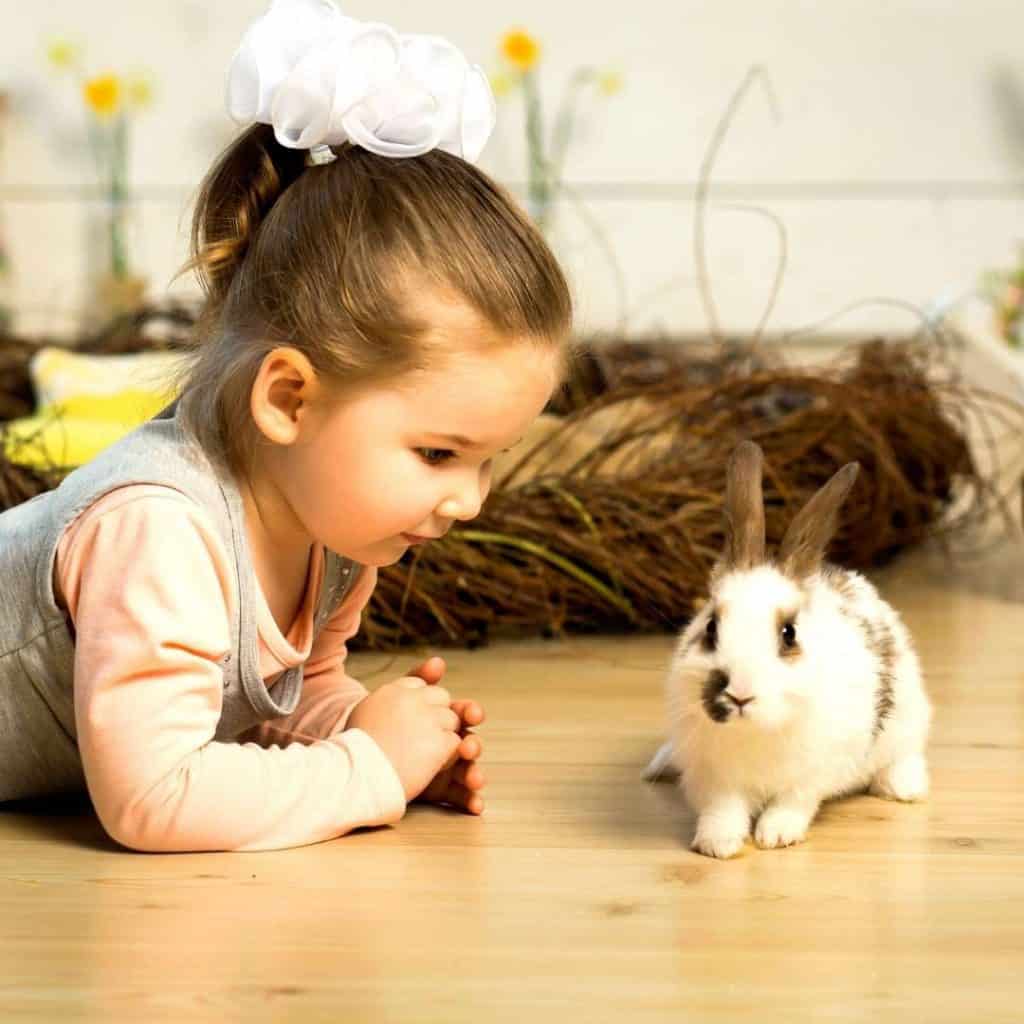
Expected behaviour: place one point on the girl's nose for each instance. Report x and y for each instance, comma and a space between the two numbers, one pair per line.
467, 501
465, 505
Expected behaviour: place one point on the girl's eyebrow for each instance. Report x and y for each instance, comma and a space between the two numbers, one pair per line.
462, 442
458, 440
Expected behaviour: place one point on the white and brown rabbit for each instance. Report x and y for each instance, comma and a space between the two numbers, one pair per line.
795, 683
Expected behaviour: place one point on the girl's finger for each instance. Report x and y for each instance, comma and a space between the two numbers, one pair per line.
440, 696
430, 671
469, 774
410, 682
469, 711
448, 720
471, 802
471, 747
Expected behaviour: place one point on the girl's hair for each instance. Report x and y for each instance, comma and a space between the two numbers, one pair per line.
326, 258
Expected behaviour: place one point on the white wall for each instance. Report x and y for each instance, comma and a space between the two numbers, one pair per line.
897, 167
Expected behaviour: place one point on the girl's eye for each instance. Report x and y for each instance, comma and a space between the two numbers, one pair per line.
435, 456
788, 636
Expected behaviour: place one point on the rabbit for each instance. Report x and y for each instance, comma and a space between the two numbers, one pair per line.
795, 682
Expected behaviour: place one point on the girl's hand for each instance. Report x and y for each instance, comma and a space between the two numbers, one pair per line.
461, 781
415, 726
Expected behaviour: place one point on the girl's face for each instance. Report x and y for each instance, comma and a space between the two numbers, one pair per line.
370, 474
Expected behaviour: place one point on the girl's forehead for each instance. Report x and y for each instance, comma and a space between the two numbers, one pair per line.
477, 376
476, 397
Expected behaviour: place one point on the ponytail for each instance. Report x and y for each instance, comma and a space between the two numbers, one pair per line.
234, 199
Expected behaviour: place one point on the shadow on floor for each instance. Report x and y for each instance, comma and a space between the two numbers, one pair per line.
68, 819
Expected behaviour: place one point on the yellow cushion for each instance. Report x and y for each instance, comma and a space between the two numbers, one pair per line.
87, 402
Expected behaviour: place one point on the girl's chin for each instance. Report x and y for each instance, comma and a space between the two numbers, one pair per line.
383, 553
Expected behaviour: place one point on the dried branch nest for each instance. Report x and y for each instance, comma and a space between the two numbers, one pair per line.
613, 520
610, 516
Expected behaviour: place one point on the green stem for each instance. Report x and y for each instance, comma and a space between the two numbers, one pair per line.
118, 197
538, 178
580, 509
485, 537
562, 134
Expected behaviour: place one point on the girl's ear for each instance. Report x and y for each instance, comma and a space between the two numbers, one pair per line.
744, 508
284, 389
803, 548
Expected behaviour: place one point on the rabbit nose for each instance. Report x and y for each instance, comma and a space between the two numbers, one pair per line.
738, 701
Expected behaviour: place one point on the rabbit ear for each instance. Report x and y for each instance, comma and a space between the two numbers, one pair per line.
803, 547
744, 508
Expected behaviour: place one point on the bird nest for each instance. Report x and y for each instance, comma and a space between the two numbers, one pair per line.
609, 517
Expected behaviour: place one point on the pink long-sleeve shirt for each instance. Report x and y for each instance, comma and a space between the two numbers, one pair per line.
147, 584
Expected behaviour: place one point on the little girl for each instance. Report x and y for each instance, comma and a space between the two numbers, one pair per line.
380, 321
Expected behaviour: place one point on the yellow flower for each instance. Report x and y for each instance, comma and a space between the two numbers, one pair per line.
520, 49
62, 54
103, 94
501, 84
610, 82
139, 89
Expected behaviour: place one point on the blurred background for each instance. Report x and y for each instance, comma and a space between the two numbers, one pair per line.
893, 153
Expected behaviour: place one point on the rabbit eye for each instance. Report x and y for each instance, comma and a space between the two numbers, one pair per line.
711, 634
788, 636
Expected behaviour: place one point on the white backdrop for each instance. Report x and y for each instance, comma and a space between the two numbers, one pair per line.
897, 165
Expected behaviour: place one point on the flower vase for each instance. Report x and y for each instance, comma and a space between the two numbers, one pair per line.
114, 288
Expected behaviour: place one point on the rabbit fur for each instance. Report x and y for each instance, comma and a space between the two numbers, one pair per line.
795, 683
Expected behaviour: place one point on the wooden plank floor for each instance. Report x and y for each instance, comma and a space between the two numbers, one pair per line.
575, 895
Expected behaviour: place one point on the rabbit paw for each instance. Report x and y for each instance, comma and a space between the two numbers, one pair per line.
781, 826
906, 779
720, 836
718, 844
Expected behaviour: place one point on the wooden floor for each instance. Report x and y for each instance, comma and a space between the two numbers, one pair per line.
575, 896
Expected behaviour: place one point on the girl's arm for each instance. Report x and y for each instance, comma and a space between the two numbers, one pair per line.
148, 585
329, 693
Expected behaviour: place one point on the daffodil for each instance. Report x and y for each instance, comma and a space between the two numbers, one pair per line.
103, 94
139, 90
520, 49
501, 84
62, 54
111, 100
610, 82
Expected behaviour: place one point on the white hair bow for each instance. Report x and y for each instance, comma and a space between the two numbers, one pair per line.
322, 79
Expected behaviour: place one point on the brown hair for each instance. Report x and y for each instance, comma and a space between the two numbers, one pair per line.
321, 259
